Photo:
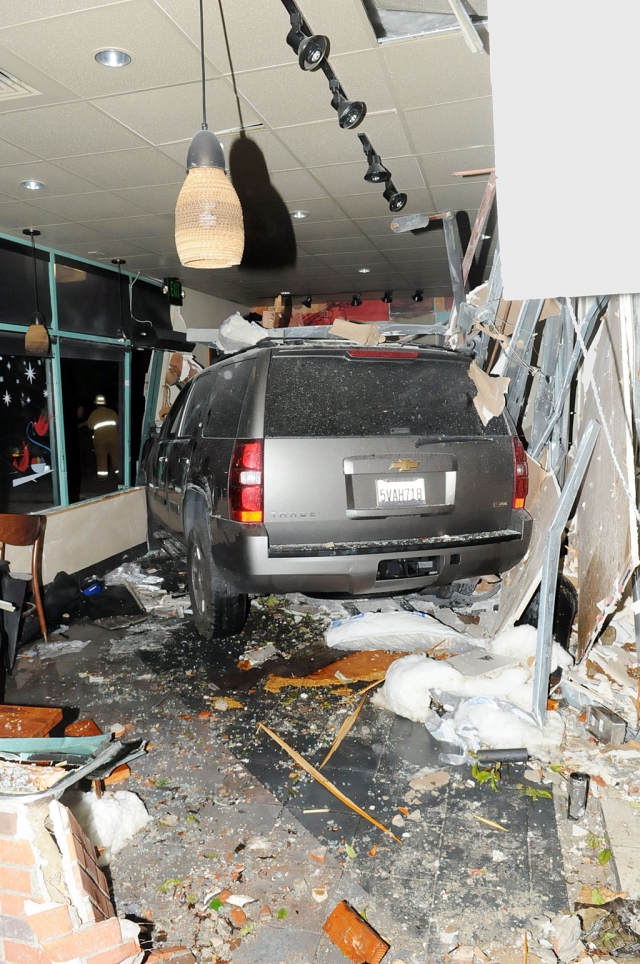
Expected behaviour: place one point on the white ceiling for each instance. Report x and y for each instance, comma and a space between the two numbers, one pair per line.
111, 144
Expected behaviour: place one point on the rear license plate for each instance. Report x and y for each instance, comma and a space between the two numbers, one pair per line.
400, 493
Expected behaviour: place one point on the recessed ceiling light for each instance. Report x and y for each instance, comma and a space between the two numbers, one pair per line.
111, 57
364, 270
299, 215
32, 185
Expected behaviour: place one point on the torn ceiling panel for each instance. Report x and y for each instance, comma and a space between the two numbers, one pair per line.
400, 19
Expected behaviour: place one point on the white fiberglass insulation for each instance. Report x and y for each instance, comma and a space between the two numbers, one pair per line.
400, 632
110, 821
491, 711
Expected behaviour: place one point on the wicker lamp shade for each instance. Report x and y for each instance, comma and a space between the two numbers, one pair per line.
209, 226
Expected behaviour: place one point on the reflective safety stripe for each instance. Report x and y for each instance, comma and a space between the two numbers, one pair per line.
103, 473
102, 424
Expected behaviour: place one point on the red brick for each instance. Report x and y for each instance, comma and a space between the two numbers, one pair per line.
89, 939
8, 824
115, 954
17, 880
17, 929
13, 905
97, 897
15, 953
54, 922
16, 852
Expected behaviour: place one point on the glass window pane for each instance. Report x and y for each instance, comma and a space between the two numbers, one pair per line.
17, 294
227, 399
334, 395
198, 402
28, 477
88, 299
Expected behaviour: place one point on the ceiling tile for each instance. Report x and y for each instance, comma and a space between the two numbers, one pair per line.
149, 225
147, 262
268, 92
376, 226
275, 154
163, 245
257, 31
112, 170
330, 246
326, 143
320, 209
354, 258
160, 52
55, 180
451, 127
439, 168
372, 206
60, 236
158, 199
14, 155
411, 256
17, 214
395, 242
323, 230
343, 179
292, 185
16, 11
107, 249
464, 195
89, 207
65, 129
174, 113
436, 69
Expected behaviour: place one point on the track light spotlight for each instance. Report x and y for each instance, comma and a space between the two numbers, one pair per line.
376, 172
350, 112
307, 301
417, 295
356, 301
311, 50
387, 297
396, 199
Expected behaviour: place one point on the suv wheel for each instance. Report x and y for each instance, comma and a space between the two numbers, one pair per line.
218, 610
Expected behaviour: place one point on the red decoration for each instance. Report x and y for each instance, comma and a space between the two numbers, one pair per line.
23, 464
41, 425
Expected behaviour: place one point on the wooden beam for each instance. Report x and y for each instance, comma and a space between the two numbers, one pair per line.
479, 226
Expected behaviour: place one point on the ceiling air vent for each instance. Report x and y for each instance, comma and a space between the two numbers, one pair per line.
11, 87
400, 19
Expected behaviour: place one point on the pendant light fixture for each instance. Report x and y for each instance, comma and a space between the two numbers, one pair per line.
209, 226
36, 339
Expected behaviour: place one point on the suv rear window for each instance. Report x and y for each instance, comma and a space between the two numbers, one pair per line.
331, 395
226, 399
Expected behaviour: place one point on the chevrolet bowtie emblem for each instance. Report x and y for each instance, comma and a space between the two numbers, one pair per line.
404, 465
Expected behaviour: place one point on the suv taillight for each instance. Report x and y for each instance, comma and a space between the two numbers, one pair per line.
246, 490
520, 474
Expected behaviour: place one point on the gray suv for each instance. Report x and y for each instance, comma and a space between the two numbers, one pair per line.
333, 468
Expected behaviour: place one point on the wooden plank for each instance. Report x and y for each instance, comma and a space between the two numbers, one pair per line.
520, 583
28, 721
479, 226
607, 532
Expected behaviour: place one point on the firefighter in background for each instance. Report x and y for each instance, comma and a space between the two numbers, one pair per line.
103, 423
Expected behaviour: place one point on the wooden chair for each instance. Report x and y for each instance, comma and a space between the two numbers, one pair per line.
26, 530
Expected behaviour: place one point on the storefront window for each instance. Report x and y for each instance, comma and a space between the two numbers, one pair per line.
28, 478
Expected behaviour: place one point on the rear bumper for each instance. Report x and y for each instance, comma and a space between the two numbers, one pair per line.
250, 565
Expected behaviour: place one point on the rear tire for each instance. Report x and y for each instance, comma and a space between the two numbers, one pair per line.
218, 610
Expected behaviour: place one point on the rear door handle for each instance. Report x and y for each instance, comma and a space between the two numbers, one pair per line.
185, 458
163, 458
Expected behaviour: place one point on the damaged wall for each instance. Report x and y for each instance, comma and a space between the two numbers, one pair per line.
84, 535
607, 531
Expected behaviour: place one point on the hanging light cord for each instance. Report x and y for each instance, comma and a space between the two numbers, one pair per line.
204, 96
